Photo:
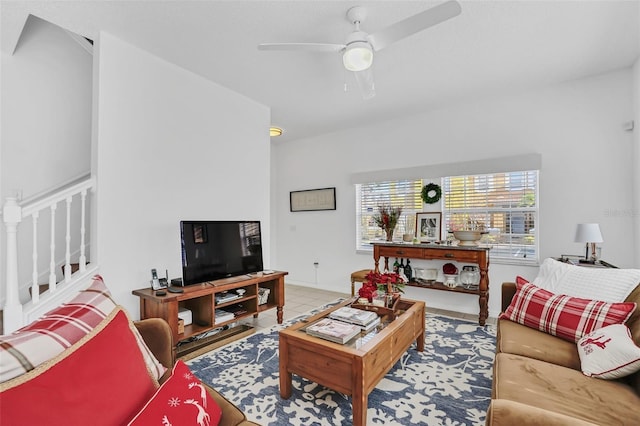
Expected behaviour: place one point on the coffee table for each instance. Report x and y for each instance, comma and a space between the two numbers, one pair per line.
356, 367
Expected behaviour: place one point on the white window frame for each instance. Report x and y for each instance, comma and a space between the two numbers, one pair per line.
507, 246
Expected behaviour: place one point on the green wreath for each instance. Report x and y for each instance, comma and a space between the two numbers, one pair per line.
429, 188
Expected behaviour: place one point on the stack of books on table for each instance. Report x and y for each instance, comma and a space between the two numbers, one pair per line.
366, 320
222, 316
334, 330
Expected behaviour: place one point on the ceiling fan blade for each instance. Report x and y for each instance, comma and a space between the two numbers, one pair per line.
365, 83
308, 47
414, 24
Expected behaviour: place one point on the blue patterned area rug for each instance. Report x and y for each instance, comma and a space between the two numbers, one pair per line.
447, 384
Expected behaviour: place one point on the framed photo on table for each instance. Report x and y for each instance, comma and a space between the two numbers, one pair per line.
428, 226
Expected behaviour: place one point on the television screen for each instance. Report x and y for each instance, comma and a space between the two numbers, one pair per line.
212, 250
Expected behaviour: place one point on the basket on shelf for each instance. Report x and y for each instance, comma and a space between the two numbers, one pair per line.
263, 295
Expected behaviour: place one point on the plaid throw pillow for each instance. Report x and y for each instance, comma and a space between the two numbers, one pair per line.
59, 329
566, 317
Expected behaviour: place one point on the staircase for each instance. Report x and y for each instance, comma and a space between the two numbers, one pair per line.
26, 298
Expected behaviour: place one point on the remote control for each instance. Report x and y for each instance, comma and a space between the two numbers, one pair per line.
175, 290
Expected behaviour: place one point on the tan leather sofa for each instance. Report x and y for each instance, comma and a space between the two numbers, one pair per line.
537, 379
158, 337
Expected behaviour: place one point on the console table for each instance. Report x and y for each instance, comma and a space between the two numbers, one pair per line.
477, 255
200, 299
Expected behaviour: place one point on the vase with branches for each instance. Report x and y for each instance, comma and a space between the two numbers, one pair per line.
387, 219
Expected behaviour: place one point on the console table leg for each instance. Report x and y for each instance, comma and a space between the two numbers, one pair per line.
483, 301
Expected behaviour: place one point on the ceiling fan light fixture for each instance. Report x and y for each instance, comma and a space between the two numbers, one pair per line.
275, 131
358, 56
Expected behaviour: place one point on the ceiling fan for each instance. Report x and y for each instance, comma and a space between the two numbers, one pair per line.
357, 51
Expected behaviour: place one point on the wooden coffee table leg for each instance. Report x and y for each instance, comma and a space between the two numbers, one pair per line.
285, 375
420, 342
360, 401
280, 314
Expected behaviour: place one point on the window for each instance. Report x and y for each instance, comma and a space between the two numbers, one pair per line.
403, 193
504, 203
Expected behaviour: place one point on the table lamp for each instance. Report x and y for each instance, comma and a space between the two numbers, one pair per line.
590, 234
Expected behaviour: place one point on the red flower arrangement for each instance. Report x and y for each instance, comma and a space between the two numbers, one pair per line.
377, 282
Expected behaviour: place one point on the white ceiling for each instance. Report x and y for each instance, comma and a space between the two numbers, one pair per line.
493, 47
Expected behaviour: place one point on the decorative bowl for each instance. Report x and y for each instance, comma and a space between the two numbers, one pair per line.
467, 238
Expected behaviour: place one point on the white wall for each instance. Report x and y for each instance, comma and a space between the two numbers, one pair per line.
46, 110
586, 164
45, 137
171, 146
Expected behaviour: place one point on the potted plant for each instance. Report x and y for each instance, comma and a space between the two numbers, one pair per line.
377, 284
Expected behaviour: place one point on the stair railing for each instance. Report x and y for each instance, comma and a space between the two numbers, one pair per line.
16, 313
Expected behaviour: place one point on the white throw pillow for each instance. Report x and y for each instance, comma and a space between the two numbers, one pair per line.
606, 284
609, 353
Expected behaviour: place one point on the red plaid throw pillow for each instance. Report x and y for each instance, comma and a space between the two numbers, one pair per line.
59, 329
566, 317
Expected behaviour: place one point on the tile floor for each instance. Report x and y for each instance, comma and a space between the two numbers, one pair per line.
299, 300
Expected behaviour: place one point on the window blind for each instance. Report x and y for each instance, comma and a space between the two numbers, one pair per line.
504, 204
369, 196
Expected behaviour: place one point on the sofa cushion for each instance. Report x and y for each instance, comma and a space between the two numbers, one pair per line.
609, 353
100, 380
181, 400
606, 284
59, 329
569, 318
564, 391
518, 339
503, 412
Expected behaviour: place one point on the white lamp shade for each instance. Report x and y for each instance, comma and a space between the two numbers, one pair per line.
588, 233
358, 56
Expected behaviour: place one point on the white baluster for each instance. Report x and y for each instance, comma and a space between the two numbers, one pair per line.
35, 288
52, 262
67, 250
83, 258
12, 216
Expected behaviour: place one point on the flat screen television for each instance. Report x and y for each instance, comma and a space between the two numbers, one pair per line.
212, 250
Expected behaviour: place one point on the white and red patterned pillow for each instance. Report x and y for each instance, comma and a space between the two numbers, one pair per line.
566, 317
100, 380
181, 400
609, 353
59, 329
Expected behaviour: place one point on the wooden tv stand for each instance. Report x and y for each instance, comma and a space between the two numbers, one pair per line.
200, 299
